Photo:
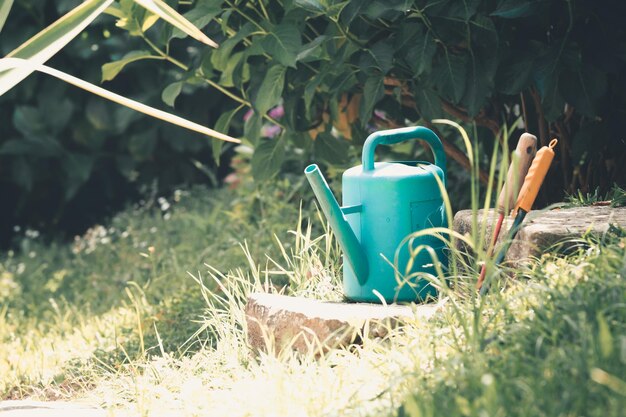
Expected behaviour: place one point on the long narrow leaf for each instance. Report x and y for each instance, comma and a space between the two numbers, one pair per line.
49, 41
165, 12
5, 8
15, 63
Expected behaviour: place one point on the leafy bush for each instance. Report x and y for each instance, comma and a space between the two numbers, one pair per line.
313, 69
67, 157
557, 65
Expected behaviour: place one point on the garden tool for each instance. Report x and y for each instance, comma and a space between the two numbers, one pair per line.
528, 194
520, 162
384, 202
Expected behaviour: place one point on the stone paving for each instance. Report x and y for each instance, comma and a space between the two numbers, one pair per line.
542, 230
276, 322
26, 408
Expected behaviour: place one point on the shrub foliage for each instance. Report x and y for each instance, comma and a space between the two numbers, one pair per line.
558, 66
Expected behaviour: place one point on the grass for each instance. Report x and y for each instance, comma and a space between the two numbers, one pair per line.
146, 316
66, 309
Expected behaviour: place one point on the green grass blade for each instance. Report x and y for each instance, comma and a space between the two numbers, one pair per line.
5, 8
49, 41
165, 12
16, 63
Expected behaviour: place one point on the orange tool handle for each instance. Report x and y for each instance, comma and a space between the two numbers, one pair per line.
535, 177
520, 162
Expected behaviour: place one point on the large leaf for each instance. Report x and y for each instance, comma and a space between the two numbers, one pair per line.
199, 16
252, 129
270, 90
283, 43
49, 41
420, 54
111, 69
514, 72
165, 12
5, 8
450, 75
512, 9
372, 92
584, 89
428, 103
10, 63
219, 58
330, 149
267, 159
236, 71
378, 57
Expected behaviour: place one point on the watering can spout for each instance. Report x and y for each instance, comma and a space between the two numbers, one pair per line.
348, 241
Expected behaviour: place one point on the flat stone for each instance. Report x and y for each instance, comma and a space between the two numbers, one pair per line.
20, 408
279, 322
543, 229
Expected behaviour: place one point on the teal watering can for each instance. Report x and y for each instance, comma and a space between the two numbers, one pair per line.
383, 203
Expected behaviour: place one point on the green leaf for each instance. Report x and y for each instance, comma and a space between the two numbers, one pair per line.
200, 16
78, 169
222, 125
512, 9
311, 50
382, 56
22, 173
252, 129
330, 149
28, 120
372, 92
165, 12
98, 114
33, 146
5, 8
311, 5
309, 90
236, 70
514, 72
584, 89
479, 84
170, 93
267, 159
220, 57
450, 76
56, 112
428, 103
283, 43
270, 90
389, 9
420, 55
41, 47
111, 69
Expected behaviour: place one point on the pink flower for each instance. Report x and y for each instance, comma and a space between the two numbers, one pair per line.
270, 130
277, 112
248, 115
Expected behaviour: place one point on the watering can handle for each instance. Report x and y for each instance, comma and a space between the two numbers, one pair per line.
389, 137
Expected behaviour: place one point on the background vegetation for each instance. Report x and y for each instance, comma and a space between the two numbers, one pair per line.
113, 319
309, 70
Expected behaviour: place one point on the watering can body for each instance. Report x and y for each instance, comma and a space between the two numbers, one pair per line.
384, 203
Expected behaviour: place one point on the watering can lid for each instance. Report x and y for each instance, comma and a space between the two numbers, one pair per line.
398, 169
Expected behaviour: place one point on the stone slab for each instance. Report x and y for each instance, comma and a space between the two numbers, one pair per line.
279, 322
21, 408
543, 229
